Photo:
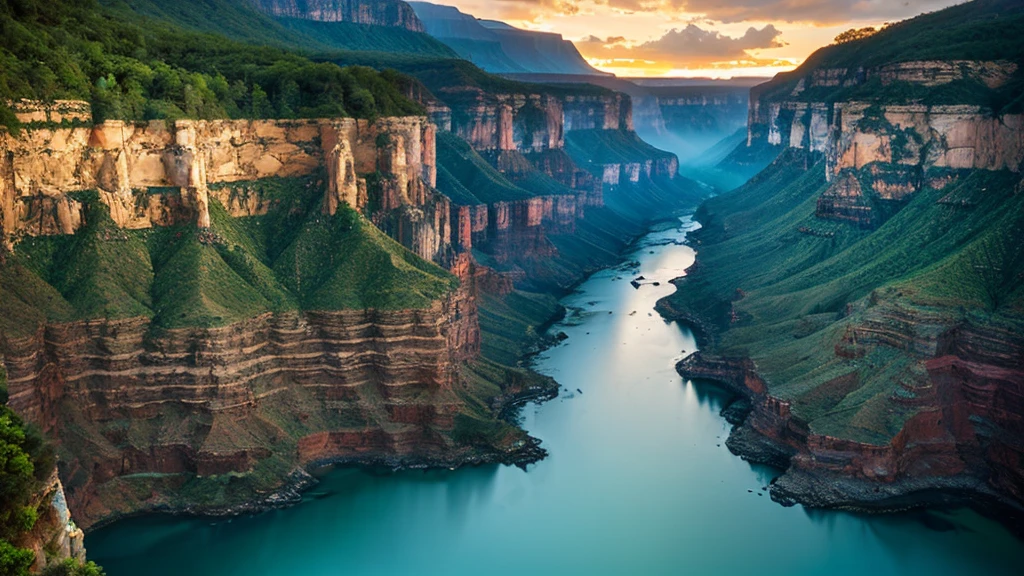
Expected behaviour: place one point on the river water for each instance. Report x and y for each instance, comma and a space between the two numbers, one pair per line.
638, 481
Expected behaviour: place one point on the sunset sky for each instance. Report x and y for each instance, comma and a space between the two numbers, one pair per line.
718, 38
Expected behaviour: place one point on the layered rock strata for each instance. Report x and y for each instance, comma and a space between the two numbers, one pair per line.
880, 152
144, 412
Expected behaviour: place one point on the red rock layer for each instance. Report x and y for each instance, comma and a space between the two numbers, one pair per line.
132, 405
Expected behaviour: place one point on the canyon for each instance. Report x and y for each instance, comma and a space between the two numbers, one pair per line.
212, 414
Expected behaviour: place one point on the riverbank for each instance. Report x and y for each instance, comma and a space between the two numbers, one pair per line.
816, 471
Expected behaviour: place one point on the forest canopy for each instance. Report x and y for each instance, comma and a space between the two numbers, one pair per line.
146, 69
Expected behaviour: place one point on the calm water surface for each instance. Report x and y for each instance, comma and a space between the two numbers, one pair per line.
638, 482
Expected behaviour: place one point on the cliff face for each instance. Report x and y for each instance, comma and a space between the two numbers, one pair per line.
158, 174
533, 122
393, 13
499, 48
901, 368
146, 416
880, 151
522, 136
964, 434
149, 417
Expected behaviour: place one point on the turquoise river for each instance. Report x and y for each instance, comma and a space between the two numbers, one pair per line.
638, 481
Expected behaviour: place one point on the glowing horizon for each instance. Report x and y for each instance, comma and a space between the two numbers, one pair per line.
696, 38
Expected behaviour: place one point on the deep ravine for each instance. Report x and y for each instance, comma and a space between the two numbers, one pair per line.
638, 481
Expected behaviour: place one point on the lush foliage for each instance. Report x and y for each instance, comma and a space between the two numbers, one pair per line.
855, 34
982, 30
24, 458
467, 178
140, 69
71, 567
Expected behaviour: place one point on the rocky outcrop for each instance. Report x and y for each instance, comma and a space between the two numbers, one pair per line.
533, 122
54, 538
392, 13
158, 174
882, 151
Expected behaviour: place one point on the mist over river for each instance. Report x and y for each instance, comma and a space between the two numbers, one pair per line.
638, 481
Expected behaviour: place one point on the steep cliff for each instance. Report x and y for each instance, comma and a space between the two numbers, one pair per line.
864, 291
36, 530
163, 174
514, 178
393, 13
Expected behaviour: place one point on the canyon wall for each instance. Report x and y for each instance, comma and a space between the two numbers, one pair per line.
141, 413
963, 435
884, 151
160, 174
896, 396
523, 137
392, 13
533, 122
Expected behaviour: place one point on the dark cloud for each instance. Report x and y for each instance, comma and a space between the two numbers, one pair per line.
689, 46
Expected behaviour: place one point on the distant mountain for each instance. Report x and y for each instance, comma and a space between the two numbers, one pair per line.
392, 13
499, 48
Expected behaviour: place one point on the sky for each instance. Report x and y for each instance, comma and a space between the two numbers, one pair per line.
715, 38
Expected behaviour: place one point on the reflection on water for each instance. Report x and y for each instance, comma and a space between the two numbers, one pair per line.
638, 481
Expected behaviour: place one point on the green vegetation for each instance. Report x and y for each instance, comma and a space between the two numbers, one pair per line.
238, 20
71, 567
982, 30
610, 147
448, 78
978, 30
366, 38
139, 69
467, 178
292, 258
786, 288
26, 461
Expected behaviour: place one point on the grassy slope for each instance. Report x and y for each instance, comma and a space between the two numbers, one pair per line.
609, 147
463, 171
180, 276
985, 30
796, 287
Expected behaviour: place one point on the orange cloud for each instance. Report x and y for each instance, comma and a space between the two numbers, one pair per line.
687, 47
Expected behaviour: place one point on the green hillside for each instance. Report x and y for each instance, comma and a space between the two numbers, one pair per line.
982, 30
467, 178
238, 20
292, 258
783, 287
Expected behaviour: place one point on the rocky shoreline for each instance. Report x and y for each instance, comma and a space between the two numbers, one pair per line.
801, 482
